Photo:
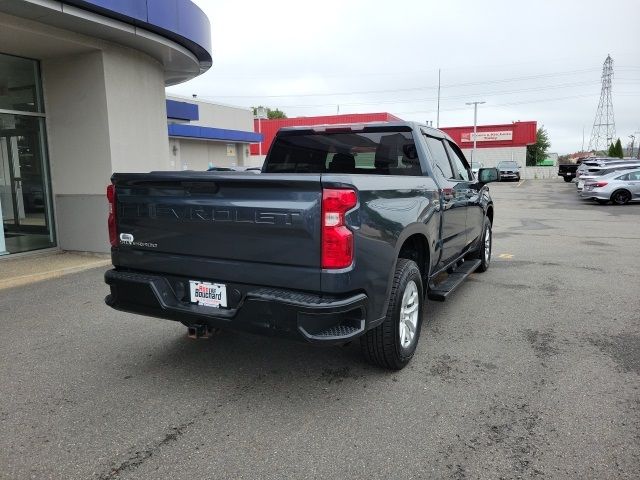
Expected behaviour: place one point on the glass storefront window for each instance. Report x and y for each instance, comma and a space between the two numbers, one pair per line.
25, 197
20, 84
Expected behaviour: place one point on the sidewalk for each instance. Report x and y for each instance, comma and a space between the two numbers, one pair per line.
27, 269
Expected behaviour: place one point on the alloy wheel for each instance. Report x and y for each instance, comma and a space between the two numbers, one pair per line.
409, 311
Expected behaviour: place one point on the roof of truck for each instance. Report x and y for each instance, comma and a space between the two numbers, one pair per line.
333, 128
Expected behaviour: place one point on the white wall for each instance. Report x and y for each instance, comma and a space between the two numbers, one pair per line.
136, 111
196, 154
539, 173
77, 123
220, 116
105, 113
490, 157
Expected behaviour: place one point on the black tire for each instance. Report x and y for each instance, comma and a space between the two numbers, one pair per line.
620, 197
567, 179
382, 345
482, 253
602, 201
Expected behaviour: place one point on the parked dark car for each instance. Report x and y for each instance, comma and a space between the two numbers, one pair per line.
568, 171
342, 236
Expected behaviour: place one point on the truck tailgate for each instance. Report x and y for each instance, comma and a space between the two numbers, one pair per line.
242, 220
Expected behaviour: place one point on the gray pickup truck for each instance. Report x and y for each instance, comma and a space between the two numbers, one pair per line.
342, 236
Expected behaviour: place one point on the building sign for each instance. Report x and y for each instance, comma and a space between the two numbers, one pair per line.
231, 150
488, 136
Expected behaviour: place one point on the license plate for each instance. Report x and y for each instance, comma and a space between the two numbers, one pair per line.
208, 294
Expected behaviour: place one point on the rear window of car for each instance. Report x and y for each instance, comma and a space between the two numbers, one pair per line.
507, 165
376, 152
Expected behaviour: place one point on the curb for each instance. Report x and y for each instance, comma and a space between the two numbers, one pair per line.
37, 277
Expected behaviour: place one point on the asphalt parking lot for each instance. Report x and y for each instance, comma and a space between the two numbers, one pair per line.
529, 370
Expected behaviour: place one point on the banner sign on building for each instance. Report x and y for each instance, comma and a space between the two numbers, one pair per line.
504, 135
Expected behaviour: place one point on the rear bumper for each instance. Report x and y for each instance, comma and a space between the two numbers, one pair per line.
595, 194
267, 311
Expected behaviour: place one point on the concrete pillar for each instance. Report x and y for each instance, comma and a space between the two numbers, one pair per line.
105, 113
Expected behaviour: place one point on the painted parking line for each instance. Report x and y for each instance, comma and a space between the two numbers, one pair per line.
520, 183
506, 256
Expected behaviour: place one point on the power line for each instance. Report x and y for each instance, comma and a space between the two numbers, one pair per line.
413, 89
510, 104
449, 97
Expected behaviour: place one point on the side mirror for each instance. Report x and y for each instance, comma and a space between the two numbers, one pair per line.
488, 175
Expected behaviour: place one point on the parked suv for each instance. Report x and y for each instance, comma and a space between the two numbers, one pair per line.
509, 171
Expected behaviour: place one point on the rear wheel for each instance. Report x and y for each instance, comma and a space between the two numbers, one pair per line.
567, 179
620, 197
392, 344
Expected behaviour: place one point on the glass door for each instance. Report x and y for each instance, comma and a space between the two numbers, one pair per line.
24, 185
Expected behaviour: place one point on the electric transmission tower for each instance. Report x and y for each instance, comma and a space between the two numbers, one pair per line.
604, 125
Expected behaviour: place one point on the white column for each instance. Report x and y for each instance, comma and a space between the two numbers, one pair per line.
3, 246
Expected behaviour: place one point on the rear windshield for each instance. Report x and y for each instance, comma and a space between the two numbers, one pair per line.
370, 152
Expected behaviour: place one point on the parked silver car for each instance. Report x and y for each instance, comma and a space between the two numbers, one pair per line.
618, 187
596, 172
594, 163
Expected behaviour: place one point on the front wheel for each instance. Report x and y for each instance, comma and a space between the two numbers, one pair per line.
567, 179
483, 251
621, 197
392, 344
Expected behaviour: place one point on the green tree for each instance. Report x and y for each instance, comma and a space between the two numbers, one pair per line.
277, 113
271, 113
618, 149
539, 150
612, 151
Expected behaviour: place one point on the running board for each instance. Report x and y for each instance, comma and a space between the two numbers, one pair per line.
440, 291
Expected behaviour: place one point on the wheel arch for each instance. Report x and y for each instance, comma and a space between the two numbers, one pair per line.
618, 190
490, 212
416, 247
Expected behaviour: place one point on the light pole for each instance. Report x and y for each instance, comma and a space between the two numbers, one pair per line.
261, 113
475, 127
633, 141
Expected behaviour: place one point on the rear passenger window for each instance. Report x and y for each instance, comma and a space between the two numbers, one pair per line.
461, 172
440, 158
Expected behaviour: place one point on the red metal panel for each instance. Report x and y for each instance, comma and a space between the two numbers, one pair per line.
522, 134
269, 128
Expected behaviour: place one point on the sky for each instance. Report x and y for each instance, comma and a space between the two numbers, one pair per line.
537, 60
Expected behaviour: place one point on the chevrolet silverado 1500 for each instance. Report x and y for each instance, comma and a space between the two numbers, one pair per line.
342, 236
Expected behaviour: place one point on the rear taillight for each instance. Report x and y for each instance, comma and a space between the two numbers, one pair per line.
337, 239
111, 222
600, 184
